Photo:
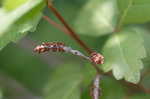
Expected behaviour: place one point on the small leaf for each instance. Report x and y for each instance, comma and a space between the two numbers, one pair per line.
64, 83
16, 23
134, 11
123, 53
97, 17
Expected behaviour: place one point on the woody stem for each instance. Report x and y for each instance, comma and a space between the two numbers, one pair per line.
70, 30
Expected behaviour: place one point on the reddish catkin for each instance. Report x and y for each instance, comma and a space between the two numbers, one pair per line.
58, 47
95, 57
50, 46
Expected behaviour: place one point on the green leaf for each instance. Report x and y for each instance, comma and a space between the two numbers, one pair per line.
97, 17
11, 5
16, 23
123, 53
64, 83
134, 11
108, 86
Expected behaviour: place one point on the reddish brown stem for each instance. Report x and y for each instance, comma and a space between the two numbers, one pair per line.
144, 89
70, 30
56, 24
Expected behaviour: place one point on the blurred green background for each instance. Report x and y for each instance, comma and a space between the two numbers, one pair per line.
27, 75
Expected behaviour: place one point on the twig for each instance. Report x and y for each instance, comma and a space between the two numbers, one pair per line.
58, 47
61, 47
96, 90
49, 20
67, 31
94, 56
70, 30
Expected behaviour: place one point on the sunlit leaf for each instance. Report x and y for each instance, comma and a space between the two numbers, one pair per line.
123, 53
11, 4
97, 17
16, 23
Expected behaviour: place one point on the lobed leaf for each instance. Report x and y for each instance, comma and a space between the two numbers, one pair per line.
123, 53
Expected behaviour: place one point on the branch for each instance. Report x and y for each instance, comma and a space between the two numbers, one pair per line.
58, 47
132, 87
49, 20
96, 90
70, 30
60, 27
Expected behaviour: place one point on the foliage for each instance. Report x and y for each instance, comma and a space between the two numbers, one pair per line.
18, 19
119, 29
